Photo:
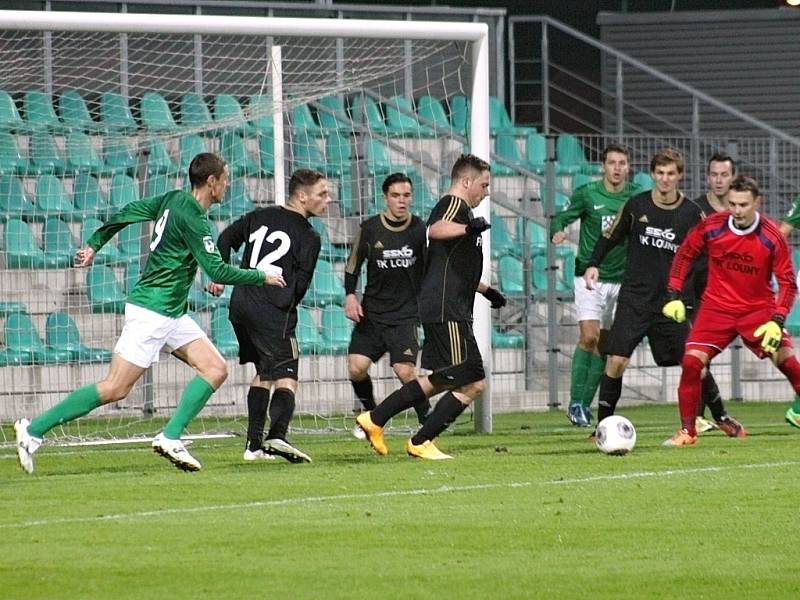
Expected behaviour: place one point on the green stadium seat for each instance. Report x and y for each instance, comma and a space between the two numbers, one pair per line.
507, 340
260, 108
502, 242
306, 154
581, 179
22, 338
236, 203
644, 181
195, 113
332, 115
132, 272
9, 115
115, 114
366, 112
234, 150
307, 333
122, 190
89, 198
506, 148
401, 121
156, 115
6, 308
81, 154
561, 200
61, 334
74, 112
222, 333
44, 155
348, 202
190, 146
159, 160
336, 330
326, 286
500, 122
571, 157
22, 250
158, 185
459, 114
201, 300
105, 294
510, 276
378, 161
432, 113
39, 113
52, 199
266, 153
536, 153
14, 202
328, 251
12, 160
118, 155
793, 318
303, 122
539, 273
538, 239
228, 115
424, 198
338, 155
109, 254
58, 242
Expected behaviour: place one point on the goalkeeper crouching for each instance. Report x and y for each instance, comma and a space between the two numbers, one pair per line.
745, 249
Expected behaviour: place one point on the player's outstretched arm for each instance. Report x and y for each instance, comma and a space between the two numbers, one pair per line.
84, 256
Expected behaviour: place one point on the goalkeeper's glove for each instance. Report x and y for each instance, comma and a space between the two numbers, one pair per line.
495, 297
674, 308
477, 225
771, 334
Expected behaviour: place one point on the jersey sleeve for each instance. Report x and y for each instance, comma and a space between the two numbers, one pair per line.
572, 212
358, 253
304, 269
197, 236
793, 216
691, 247
451, 208
137, 211
613, 236
784, 273
232, 238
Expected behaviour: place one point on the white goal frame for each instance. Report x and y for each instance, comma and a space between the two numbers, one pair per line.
476, 34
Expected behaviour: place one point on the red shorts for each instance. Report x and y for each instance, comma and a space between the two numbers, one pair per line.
713, 329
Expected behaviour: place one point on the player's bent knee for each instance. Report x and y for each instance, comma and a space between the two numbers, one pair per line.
215, 372
405, 372
692, 365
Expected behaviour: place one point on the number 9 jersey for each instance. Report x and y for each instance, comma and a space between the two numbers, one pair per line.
276, 239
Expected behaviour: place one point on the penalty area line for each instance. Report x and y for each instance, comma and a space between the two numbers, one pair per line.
672, 472
149, 514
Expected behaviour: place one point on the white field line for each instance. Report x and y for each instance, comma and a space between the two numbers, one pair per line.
149, 514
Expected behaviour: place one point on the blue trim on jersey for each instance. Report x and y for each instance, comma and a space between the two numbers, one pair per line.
714, 233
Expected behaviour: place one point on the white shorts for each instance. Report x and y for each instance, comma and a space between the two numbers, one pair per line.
598, 304
146, 332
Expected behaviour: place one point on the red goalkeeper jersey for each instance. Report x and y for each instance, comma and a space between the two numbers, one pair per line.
741, 263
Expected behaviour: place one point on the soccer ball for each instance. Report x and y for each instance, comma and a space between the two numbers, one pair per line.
615, 435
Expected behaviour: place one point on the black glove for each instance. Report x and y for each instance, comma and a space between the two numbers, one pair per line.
477, 225
495, 297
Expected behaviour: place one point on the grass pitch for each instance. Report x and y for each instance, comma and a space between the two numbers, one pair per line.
530, 511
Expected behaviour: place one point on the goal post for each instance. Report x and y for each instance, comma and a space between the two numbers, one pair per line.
291, 63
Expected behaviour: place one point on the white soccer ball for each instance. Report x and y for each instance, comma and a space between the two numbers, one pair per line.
615, 435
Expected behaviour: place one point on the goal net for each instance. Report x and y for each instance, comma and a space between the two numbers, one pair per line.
91, 120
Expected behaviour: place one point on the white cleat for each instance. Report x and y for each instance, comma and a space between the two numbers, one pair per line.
175, 452
358, 433
284, 449
26, 445
256, 455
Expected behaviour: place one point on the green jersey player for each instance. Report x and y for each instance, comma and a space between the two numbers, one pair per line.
596, 204
155, 314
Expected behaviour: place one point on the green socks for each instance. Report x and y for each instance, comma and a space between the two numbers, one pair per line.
194, 398
580, 367
795, 405
597, 364
78, 403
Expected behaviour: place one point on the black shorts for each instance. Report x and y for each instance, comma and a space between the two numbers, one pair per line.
631, 325
452, 343
373, 340
274, 356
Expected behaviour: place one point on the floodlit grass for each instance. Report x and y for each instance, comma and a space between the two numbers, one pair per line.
530, 511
